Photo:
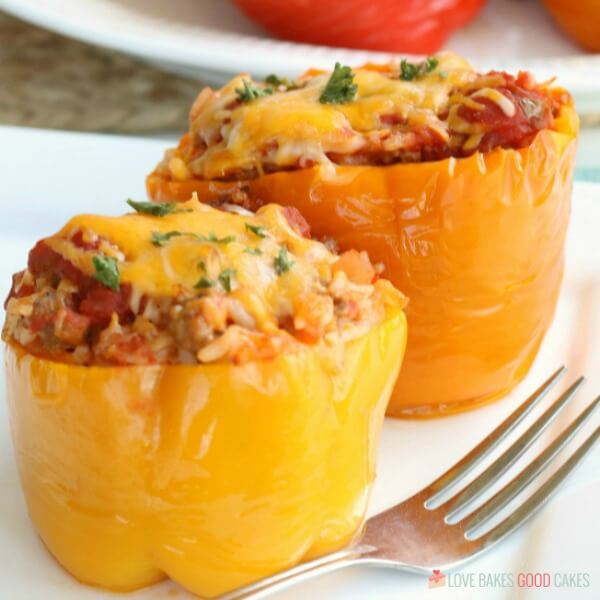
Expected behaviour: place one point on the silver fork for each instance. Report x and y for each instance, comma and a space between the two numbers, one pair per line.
425, 532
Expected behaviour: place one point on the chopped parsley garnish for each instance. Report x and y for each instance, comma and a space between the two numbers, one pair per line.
531, 108
282, 262
160, 239
211, 237
255, 251
159, 209
250, 92
410, 71
225, 278
256, 230
280, 82
204, 282
340, 87
106, 271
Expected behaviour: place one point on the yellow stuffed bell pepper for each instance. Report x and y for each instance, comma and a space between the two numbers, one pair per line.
458, 182
196, 395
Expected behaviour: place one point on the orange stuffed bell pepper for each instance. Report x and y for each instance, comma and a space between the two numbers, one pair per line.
197, 394
457, 182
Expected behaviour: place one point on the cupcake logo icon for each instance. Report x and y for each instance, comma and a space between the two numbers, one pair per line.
437, 579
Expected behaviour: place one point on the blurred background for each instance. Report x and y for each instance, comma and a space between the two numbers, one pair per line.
135, 66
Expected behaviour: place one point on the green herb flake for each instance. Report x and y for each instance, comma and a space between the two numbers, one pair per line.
211, 237
202, 266
282, 262
531, 108
410, 71
250, 92
106, 271
159, 209
160, 239
431, 62
257, 230
225, 279
254, 251
340, 87
277, 82
204, 282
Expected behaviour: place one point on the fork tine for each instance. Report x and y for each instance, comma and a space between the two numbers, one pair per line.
457, 472
542, 495
527, 475
488, 477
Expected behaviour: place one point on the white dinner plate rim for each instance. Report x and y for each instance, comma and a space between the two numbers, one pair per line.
223, 54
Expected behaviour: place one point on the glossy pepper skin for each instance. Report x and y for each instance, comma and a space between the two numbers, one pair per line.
213, 475
475, 243
580, 20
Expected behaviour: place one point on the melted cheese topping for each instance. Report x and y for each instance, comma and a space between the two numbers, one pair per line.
175, 268
507, 107
283, 128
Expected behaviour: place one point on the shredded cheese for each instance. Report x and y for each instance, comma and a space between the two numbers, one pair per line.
293, 127
507, 107
164, 271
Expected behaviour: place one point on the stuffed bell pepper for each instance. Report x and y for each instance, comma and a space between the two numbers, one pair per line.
459, 182
196, 393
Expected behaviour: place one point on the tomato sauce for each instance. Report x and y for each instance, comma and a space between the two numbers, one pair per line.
94, 300
533, 111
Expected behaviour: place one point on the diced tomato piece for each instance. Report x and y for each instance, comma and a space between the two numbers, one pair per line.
393, 119
357, 267
45, 261
70, 326
39, 322
306, 337
533, 112
526, 80
78, 241
97, 302
296, 220
100, 303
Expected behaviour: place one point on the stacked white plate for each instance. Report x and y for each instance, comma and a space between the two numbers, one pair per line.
211, 40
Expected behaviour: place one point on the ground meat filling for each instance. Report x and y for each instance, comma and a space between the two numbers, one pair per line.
509, 118
56, 311
494, 110
93, 300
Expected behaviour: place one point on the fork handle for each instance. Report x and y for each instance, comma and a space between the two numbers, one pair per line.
299, 573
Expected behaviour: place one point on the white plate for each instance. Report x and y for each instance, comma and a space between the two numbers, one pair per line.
48, 176
212, 40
